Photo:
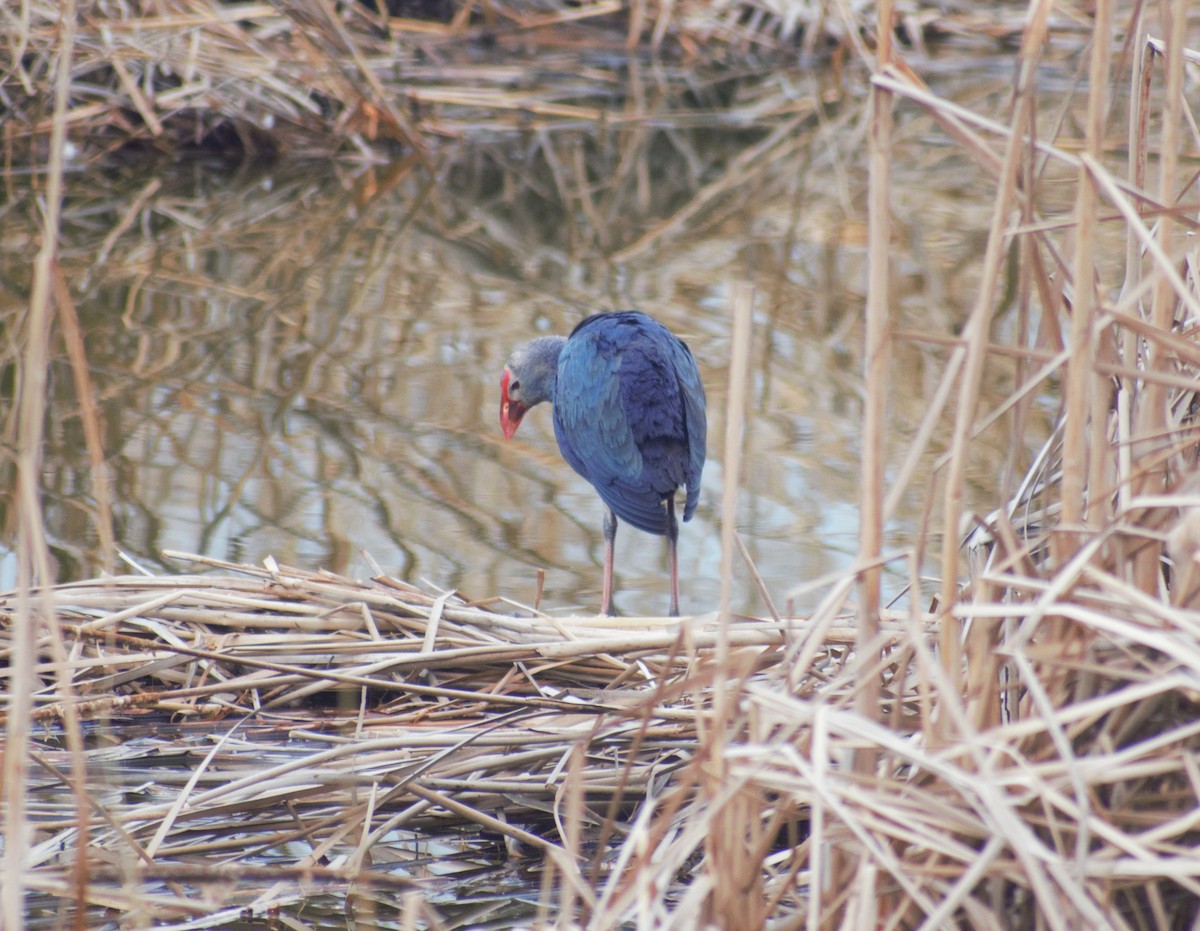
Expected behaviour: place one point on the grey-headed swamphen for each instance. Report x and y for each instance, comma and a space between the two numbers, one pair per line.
629, 415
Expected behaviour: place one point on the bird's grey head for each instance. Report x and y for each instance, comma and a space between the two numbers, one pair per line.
528, 379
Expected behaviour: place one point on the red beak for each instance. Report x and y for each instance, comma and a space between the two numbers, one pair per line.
511, 411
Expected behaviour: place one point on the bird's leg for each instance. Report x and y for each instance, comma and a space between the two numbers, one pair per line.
610, 539
672, 556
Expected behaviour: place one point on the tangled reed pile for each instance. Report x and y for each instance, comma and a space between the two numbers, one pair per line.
263, 709
367, 80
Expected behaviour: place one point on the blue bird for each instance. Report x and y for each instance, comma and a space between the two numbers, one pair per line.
629, 416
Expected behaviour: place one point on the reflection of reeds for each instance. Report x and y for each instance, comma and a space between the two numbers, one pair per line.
230, 307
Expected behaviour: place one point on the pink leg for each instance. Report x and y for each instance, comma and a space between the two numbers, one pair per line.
610, 539
672, 555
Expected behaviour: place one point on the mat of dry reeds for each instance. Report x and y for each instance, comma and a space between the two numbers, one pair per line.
370, 80
243, 711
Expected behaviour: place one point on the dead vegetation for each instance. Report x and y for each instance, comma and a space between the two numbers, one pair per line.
1013, 746
345, 717
371, 81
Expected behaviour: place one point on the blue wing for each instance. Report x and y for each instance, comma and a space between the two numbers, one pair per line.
629, 415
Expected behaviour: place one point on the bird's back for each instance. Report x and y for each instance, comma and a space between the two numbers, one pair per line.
629, 415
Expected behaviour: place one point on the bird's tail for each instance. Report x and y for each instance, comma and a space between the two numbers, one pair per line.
644, 509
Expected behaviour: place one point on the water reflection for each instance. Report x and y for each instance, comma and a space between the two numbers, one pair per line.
304, 364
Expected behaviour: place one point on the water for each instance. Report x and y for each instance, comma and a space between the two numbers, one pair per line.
303, 362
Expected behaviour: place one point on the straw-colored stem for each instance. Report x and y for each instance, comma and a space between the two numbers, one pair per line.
876, 362
33, 610
876, 365
1077, 406
976, 336
737, 886
1151, 419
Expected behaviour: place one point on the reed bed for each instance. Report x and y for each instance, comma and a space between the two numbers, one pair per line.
265, 708
1032, 763
1012, 744
367, 81
272, 637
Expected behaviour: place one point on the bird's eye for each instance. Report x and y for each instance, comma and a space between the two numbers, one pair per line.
514, 386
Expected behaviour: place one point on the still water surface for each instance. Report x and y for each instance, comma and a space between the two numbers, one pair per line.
303, 362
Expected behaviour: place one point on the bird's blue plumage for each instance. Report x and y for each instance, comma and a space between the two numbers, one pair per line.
629, 415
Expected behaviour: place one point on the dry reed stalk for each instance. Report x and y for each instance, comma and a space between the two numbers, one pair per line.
477, 745
731, 849
34, 610
1080, 388
739, 373
846, 871
1150, 415
975, 335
